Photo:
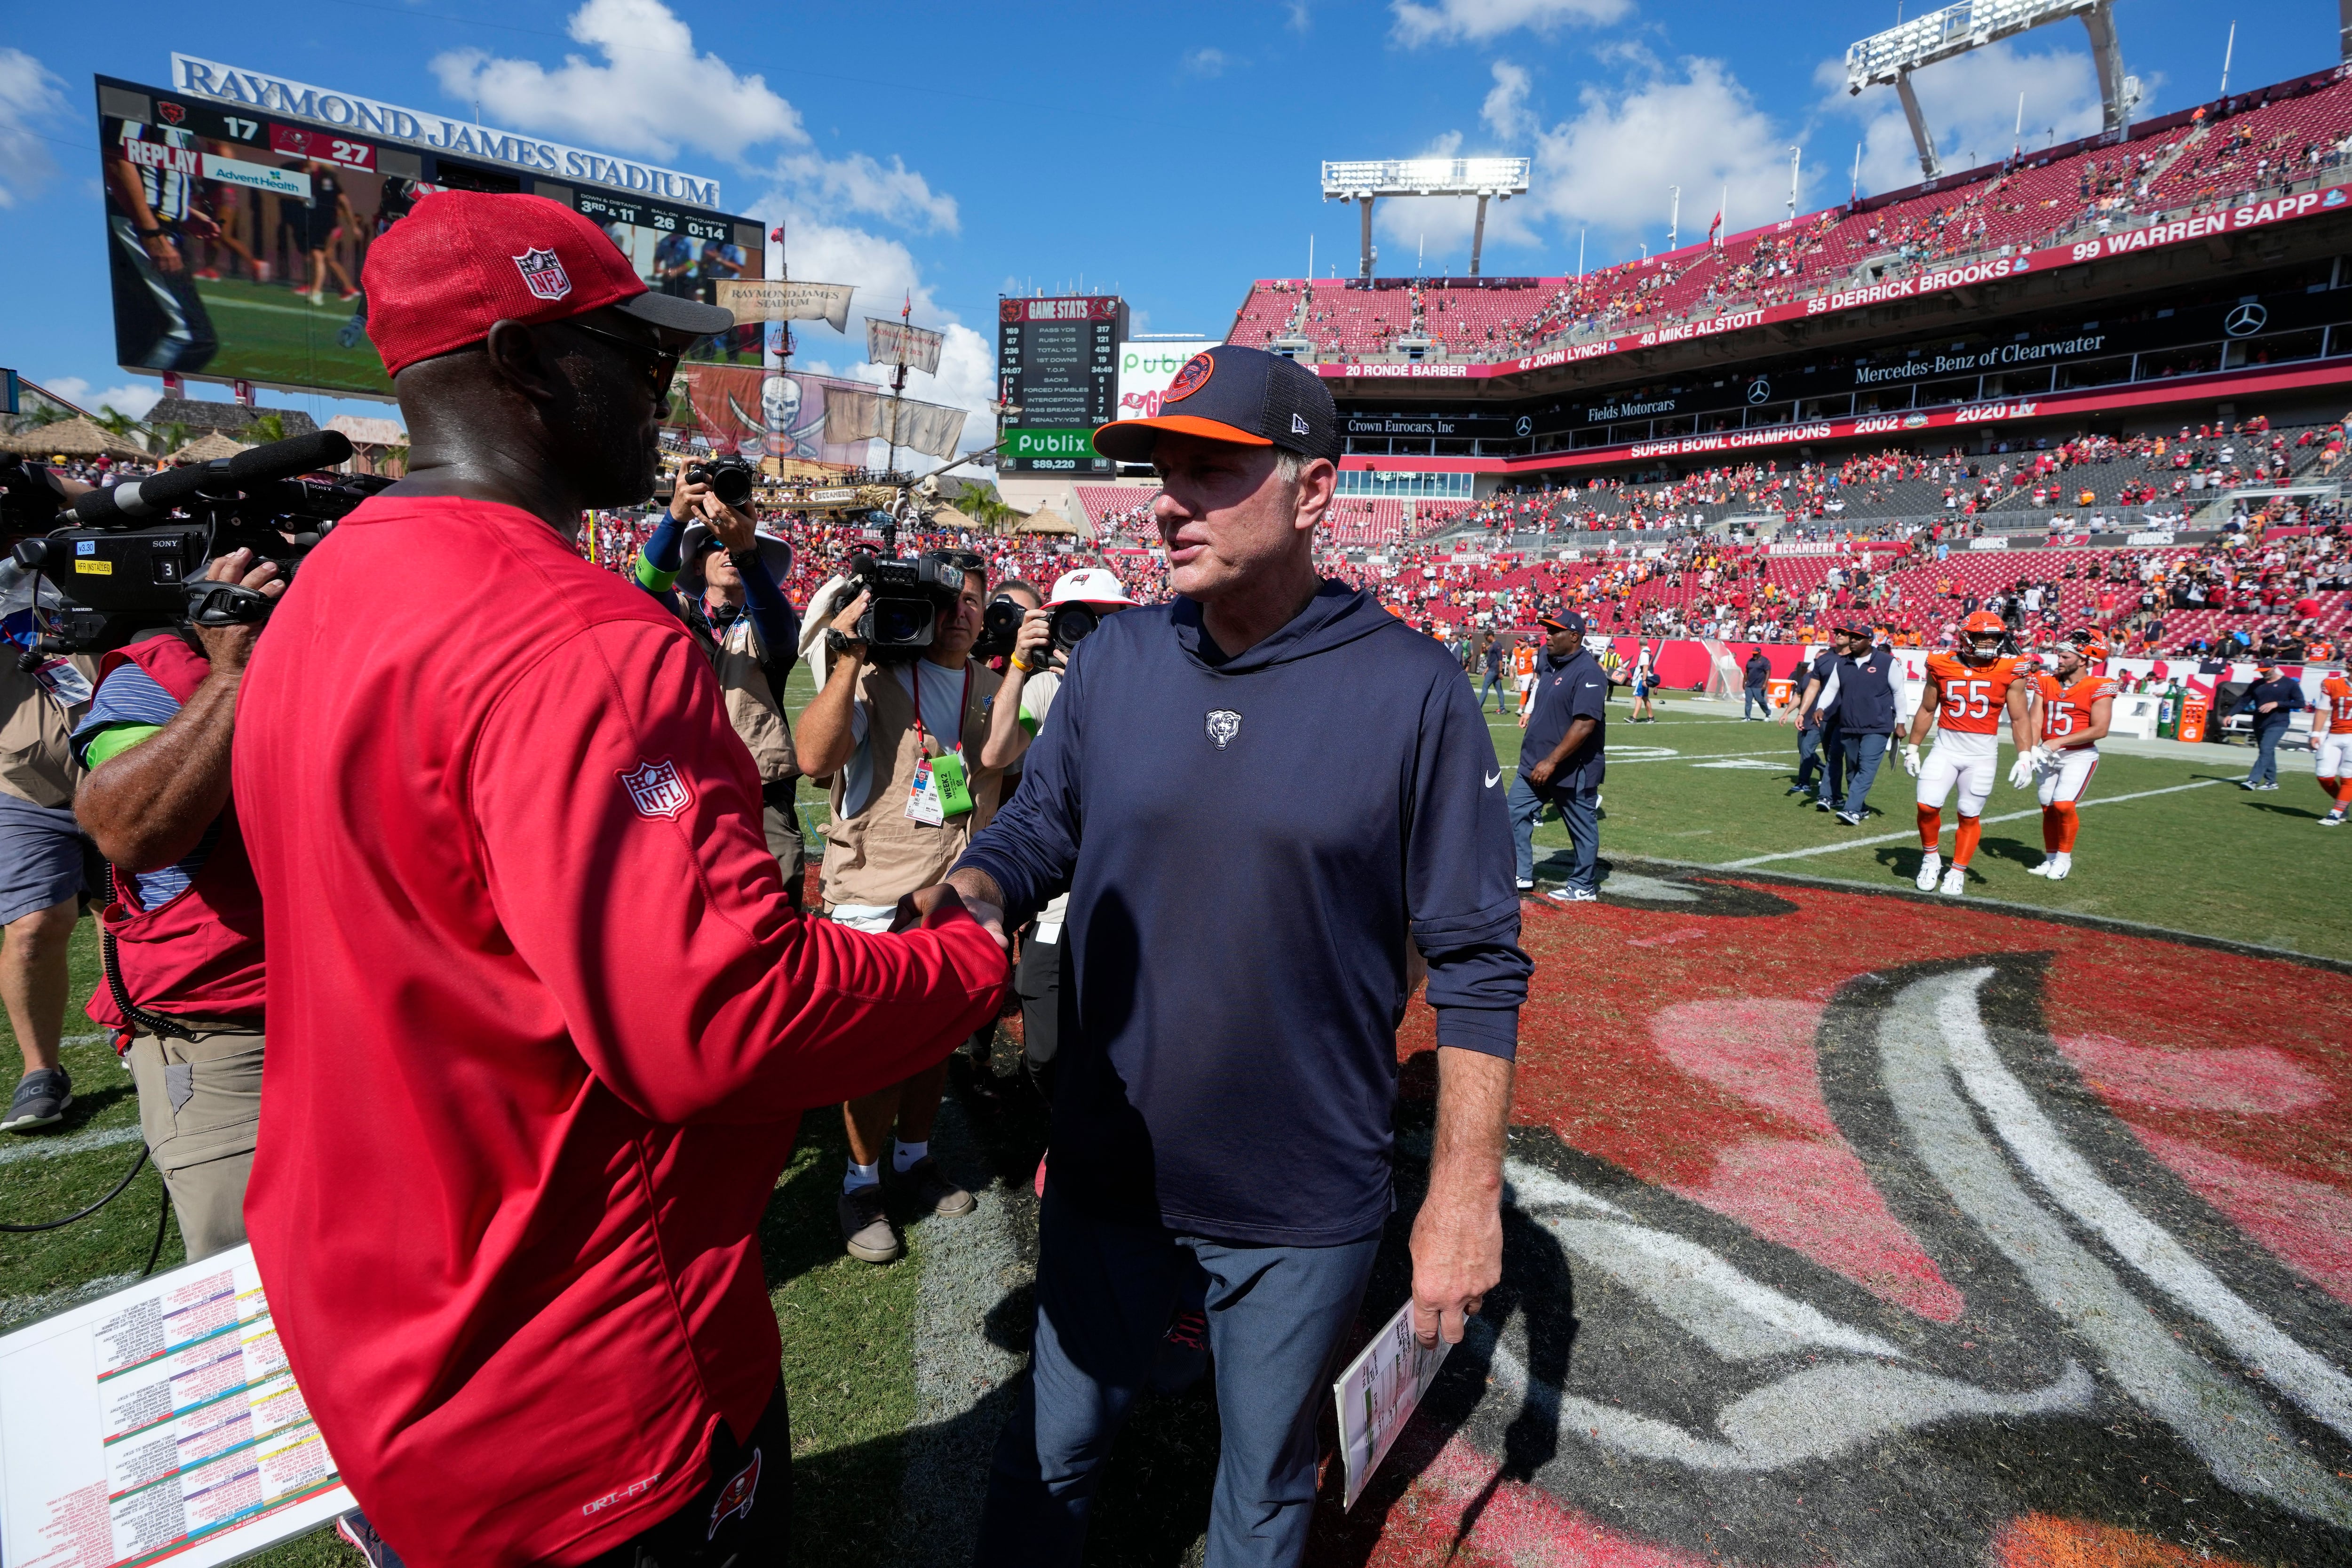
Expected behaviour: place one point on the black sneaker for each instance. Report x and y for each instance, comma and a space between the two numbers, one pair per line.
354, 1528
43, 1097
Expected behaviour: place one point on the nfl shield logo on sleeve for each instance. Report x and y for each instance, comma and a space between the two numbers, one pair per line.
544, 274
656, 789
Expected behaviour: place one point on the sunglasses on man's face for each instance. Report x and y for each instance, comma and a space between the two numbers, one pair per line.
661, 364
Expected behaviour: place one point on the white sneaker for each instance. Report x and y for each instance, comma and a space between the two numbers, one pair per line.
1929, 865
2333, 819
2059, 864
1956, 882
1526, 887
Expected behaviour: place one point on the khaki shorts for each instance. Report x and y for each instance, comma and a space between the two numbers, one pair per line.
199, 1108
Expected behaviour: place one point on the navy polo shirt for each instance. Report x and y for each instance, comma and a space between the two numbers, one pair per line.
1571, 689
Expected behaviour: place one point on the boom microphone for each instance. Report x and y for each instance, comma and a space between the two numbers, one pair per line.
138, 500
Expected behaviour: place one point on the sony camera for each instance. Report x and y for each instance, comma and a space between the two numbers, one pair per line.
907, 597
729, 479
136, 554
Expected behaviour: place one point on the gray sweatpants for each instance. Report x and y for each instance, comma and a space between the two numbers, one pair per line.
199, 1108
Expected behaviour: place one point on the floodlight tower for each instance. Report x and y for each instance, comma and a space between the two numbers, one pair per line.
1890, 57
1367, 180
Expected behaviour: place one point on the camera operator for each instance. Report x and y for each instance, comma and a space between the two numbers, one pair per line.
1031, 679
543, 1021
878, 728
746, 628
184, 991
42, 850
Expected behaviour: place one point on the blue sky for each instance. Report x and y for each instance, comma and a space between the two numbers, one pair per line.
1168, 151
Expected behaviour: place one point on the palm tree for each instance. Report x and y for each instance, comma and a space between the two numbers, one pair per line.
269, 427
166, 439
114, 422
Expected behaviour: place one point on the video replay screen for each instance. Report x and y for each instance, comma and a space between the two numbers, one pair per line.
235, 241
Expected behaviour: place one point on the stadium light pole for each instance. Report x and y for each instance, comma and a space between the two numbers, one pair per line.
1889, 58
1796, 158
1367, 180
1674, 216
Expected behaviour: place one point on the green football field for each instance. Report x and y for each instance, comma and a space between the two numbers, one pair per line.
2164, 843
269, 333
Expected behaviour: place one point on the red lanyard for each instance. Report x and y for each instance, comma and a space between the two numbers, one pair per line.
915, 677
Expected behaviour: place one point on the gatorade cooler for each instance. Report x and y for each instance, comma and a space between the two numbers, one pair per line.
2193, 710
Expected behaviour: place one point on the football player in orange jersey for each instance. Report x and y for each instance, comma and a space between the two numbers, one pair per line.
2331, 741
1967, 692
1523, 673
2075, 711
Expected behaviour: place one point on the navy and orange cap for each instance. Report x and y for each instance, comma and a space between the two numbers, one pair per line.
1247, 396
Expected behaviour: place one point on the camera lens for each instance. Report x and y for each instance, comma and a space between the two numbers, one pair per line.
1072, 624
733, 486
901, 623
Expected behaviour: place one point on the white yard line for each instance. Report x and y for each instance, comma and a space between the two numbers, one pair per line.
36, 1147
1912, 834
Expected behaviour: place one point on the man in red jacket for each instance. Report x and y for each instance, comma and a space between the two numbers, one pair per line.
542, 1016
183, 992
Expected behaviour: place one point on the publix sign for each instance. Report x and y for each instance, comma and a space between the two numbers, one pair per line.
1145, 370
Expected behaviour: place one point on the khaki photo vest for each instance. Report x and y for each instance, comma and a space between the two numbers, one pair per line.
880, 854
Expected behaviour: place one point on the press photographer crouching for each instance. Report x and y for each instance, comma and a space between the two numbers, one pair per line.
180, 938
899, 726
708, 545
1039, 654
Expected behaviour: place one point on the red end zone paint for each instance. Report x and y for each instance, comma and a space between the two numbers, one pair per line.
1733, 1108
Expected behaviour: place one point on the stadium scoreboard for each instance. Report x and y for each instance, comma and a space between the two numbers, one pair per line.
237, 228
1057, 361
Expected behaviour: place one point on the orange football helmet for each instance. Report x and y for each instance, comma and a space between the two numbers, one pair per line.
2090, 644
1981, 636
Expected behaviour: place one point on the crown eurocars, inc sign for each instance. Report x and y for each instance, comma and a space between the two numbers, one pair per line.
372, 118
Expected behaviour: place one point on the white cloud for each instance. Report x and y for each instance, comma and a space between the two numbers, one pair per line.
1971, 103
1506, 110
895, 193
653, 95
656, 95
1612, 164
1299, 17
28, 98
1475, 21
1205, 62
134, 398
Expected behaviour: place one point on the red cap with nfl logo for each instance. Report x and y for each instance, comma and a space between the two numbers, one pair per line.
462, 261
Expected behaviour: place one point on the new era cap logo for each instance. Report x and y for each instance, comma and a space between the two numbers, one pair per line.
656, 789
1189, 380
1299, 424
543, 274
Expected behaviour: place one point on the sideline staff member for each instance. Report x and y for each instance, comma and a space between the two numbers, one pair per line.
1561, 759
185, 987
1228, 1045
542, 1019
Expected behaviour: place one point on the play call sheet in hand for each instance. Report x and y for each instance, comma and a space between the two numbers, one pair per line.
160, 1422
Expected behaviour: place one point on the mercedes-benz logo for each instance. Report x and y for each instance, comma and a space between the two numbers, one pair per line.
1759, 390
2247, 318
1526, 425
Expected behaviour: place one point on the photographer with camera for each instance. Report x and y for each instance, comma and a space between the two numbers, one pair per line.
899, 727
1040, 655
42, 849
709, 544
544, 1019
181, 934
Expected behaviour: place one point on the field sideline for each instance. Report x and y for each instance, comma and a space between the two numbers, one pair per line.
1666, 1072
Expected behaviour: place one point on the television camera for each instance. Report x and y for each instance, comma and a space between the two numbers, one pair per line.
134, 555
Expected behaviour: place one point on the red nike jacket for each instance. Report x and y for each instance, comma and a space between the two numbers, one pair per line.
541, 1028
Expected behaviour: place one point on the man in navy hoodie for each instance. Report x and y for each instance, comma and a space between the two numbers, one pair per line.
1265, 798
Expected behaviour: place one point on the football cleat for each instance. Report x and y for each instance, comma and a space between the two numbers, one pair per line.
1956, 881
1929, 865
2057, 866
2333, 819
